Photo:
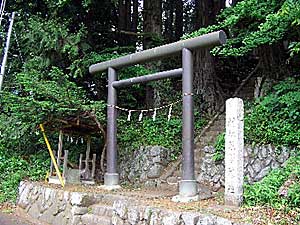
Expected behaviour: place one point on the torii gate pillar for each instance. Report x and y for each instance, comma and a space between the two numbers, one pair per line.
188, 189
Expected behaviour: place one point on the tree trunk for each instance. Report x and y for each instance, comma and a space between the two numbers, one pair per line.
169, 19
205, 81
178, 19
152, 15
135, 20
135, 15
124, 21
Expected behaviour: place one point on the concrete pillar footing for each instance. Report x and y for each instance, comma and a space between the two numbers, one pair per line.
188, 191
110, 187
111, 179
184, 199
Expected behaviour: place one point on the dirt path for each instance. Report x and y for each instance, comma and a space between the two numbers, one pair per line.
12, 219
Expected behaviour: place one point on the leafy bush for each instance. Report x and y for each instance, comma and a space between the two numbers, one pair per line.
265, 192
14, 168
219, 147
275, 118
148, 132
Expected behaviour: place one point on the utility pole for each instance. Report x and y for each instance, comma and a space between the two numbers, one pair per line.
4, 60
2, 7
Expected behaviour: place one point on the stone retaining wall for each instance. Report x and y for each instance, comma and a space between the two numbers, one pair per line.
59, 207
258, 161
145, 165
126, 213
53, 206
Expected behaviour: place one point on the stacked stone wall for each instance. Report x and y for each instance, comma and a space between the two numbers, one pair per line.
126, 213
145, 165
258, 161
56, 206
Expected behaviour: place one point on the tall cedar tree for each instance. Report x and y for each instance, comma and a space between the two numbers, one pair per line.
152, 24
127, 22
178, 19
173, 21
152, 15
205, 81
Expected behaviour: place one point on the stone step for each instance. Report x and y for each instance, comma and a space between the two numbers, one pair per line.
211, 133
221, 117
177, 173
199, 145
102, 210
209, 140
219, 128
198, 151
250, 94
91, 219
247, 89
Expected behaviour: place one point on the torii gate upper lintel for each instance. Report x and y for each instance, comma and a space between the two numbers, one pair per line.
188, 186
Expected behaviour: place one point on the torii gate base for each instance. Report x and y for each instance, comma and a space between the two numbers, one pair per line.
188, 190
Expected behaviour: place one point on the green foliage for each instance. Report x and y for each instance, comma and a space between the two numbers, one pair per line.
252, 23
265, 192
275, 118
51, 40
44, 88
14, 168
219, 147
45, 96
148, 132
161, 132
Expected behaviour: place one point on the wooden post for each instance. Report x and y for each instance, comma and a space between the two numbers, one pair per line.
65, 168
80, 161
51, 164
60, 147
87, 154
93, 165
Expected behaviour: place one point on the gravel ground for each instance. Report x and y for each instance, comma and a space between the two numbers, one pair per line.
12, 219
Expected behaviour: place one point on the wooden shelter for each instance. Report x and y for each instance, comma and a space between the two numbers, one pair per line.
75, 129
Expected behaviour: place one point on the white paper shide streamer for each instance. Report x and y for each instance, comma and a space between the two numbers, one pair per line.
129, 115
154, 115
170, 112
142, 111
141, 115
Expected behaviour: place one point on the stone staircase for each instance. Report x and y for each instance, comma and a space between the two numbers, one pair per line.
207, 139
216, 126
98, 214
172, 175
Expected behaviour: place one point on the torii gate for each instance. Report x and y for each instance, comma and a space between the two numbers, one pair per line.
188, 185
